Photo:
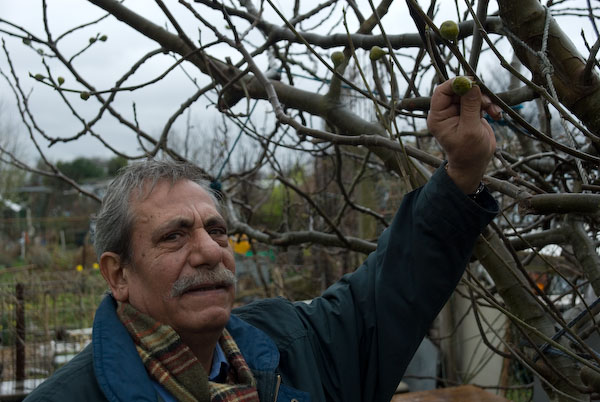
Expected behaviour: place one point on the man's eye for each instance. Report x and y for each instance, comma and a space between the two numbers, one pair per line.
219, 231
172, 236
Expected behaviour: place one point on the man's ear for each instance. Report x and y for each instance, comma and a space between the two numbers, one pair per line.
113, 273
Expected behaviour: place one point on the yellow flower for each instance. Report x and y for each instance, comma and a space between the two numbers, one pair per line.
95, 265
79, 268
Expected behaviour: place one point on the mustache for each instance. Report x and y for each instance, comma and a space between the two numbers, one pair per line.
219, 276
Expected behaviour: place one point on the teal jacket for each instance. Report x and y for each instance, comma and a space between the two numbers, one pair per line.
351, 344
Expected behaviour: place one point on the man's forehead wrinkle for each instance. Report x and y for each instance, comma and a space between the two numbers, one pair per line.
180, 221
145, 188
147, 209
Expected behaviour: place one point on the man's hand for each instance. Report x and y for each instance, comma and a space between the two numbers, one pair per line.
457, 124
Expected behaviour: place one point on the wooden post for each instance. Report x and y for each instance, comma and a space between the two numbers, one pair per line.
20, 341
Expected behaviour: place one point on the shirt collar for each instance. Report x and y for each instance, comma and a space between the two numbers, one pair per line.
220, 366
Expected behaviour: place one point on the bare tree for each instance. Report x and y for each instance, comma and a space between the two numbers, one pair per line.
298, 85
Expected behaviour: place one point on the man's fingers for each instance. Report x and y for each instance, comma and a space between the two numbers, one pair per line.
442, 96
494, 111
470, 105
491, 109
472, 102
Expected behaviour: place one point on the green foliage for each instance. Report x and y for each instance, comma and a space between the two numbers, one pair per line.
10, 179
114, 164
82, 168
72, 295
7, 331
271, 213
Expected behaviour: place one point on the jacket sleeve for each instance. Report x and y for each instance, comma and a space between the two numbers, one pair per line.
365, 328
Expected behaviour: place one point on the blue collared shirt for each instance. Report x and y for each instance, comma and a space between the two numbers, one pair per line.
218, 373
220, 366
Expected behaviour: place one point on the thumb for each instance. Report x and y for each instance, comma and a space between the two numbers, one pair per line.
470, 105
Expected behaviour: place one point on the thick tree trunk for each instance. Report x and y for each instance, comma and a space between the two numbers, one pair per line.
526, 19
584, 249
511, 285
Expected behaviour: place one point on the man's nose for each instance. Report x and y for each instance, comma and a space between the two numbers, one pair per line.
205, 252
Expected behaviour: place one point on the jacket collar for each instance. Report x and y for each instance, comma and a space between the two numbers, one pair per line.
258, 349
117, 365
121, 373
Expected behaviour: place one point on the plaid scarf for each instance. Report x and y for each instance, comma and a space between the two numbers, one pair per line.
172, 364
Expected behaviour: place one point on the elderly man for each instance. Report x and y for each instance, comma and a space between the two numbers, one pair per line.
166, 332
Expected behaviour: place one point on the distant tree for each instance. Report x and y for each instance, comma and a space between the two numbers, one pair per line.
114, 164
82, 169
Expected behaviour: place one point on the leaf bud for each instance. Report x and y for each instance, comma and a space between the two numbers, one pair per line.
60, 80
461, 85
85, 95
337, 58
39, 77
103, 38
376, 53
449, 30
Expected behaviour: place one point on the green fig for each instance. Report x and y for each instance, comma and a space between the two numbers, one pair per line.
461, 85
376, 53
92, 40
60, 80
39, 77
85, 95
337, 58
26, 41
103, 38
449, 30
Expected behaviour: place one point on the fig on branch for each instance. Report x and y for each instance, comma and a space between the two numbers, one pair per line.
103, 38
85, 95
337, 58
461, 85
376, 53
449, 30
92, 40
39, 77
60, 80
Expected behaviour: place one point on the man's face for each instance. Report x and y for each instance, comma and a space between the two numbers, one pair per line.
178, 235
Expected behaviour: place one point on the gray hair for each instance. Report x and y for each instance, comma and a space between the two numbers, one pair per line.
114, 221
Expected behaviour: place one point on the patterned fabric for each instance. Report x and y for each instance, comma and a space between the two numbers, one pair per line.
172, 364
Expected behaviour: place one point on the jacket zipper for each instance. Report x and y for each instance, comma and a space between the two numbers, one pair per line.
277, 387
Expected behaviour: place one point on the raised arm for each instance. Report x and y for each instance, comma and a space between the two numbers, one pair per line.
354, 342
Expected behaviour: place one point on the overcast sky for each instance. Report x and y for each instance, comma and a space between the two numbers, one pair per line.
101, 65
107, 61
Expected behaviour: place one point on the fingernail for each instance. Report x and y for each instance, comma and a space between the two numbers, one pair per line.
497, 109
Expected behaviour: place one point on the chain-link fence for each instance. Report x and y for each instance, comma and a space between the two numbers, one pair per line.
45, 319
